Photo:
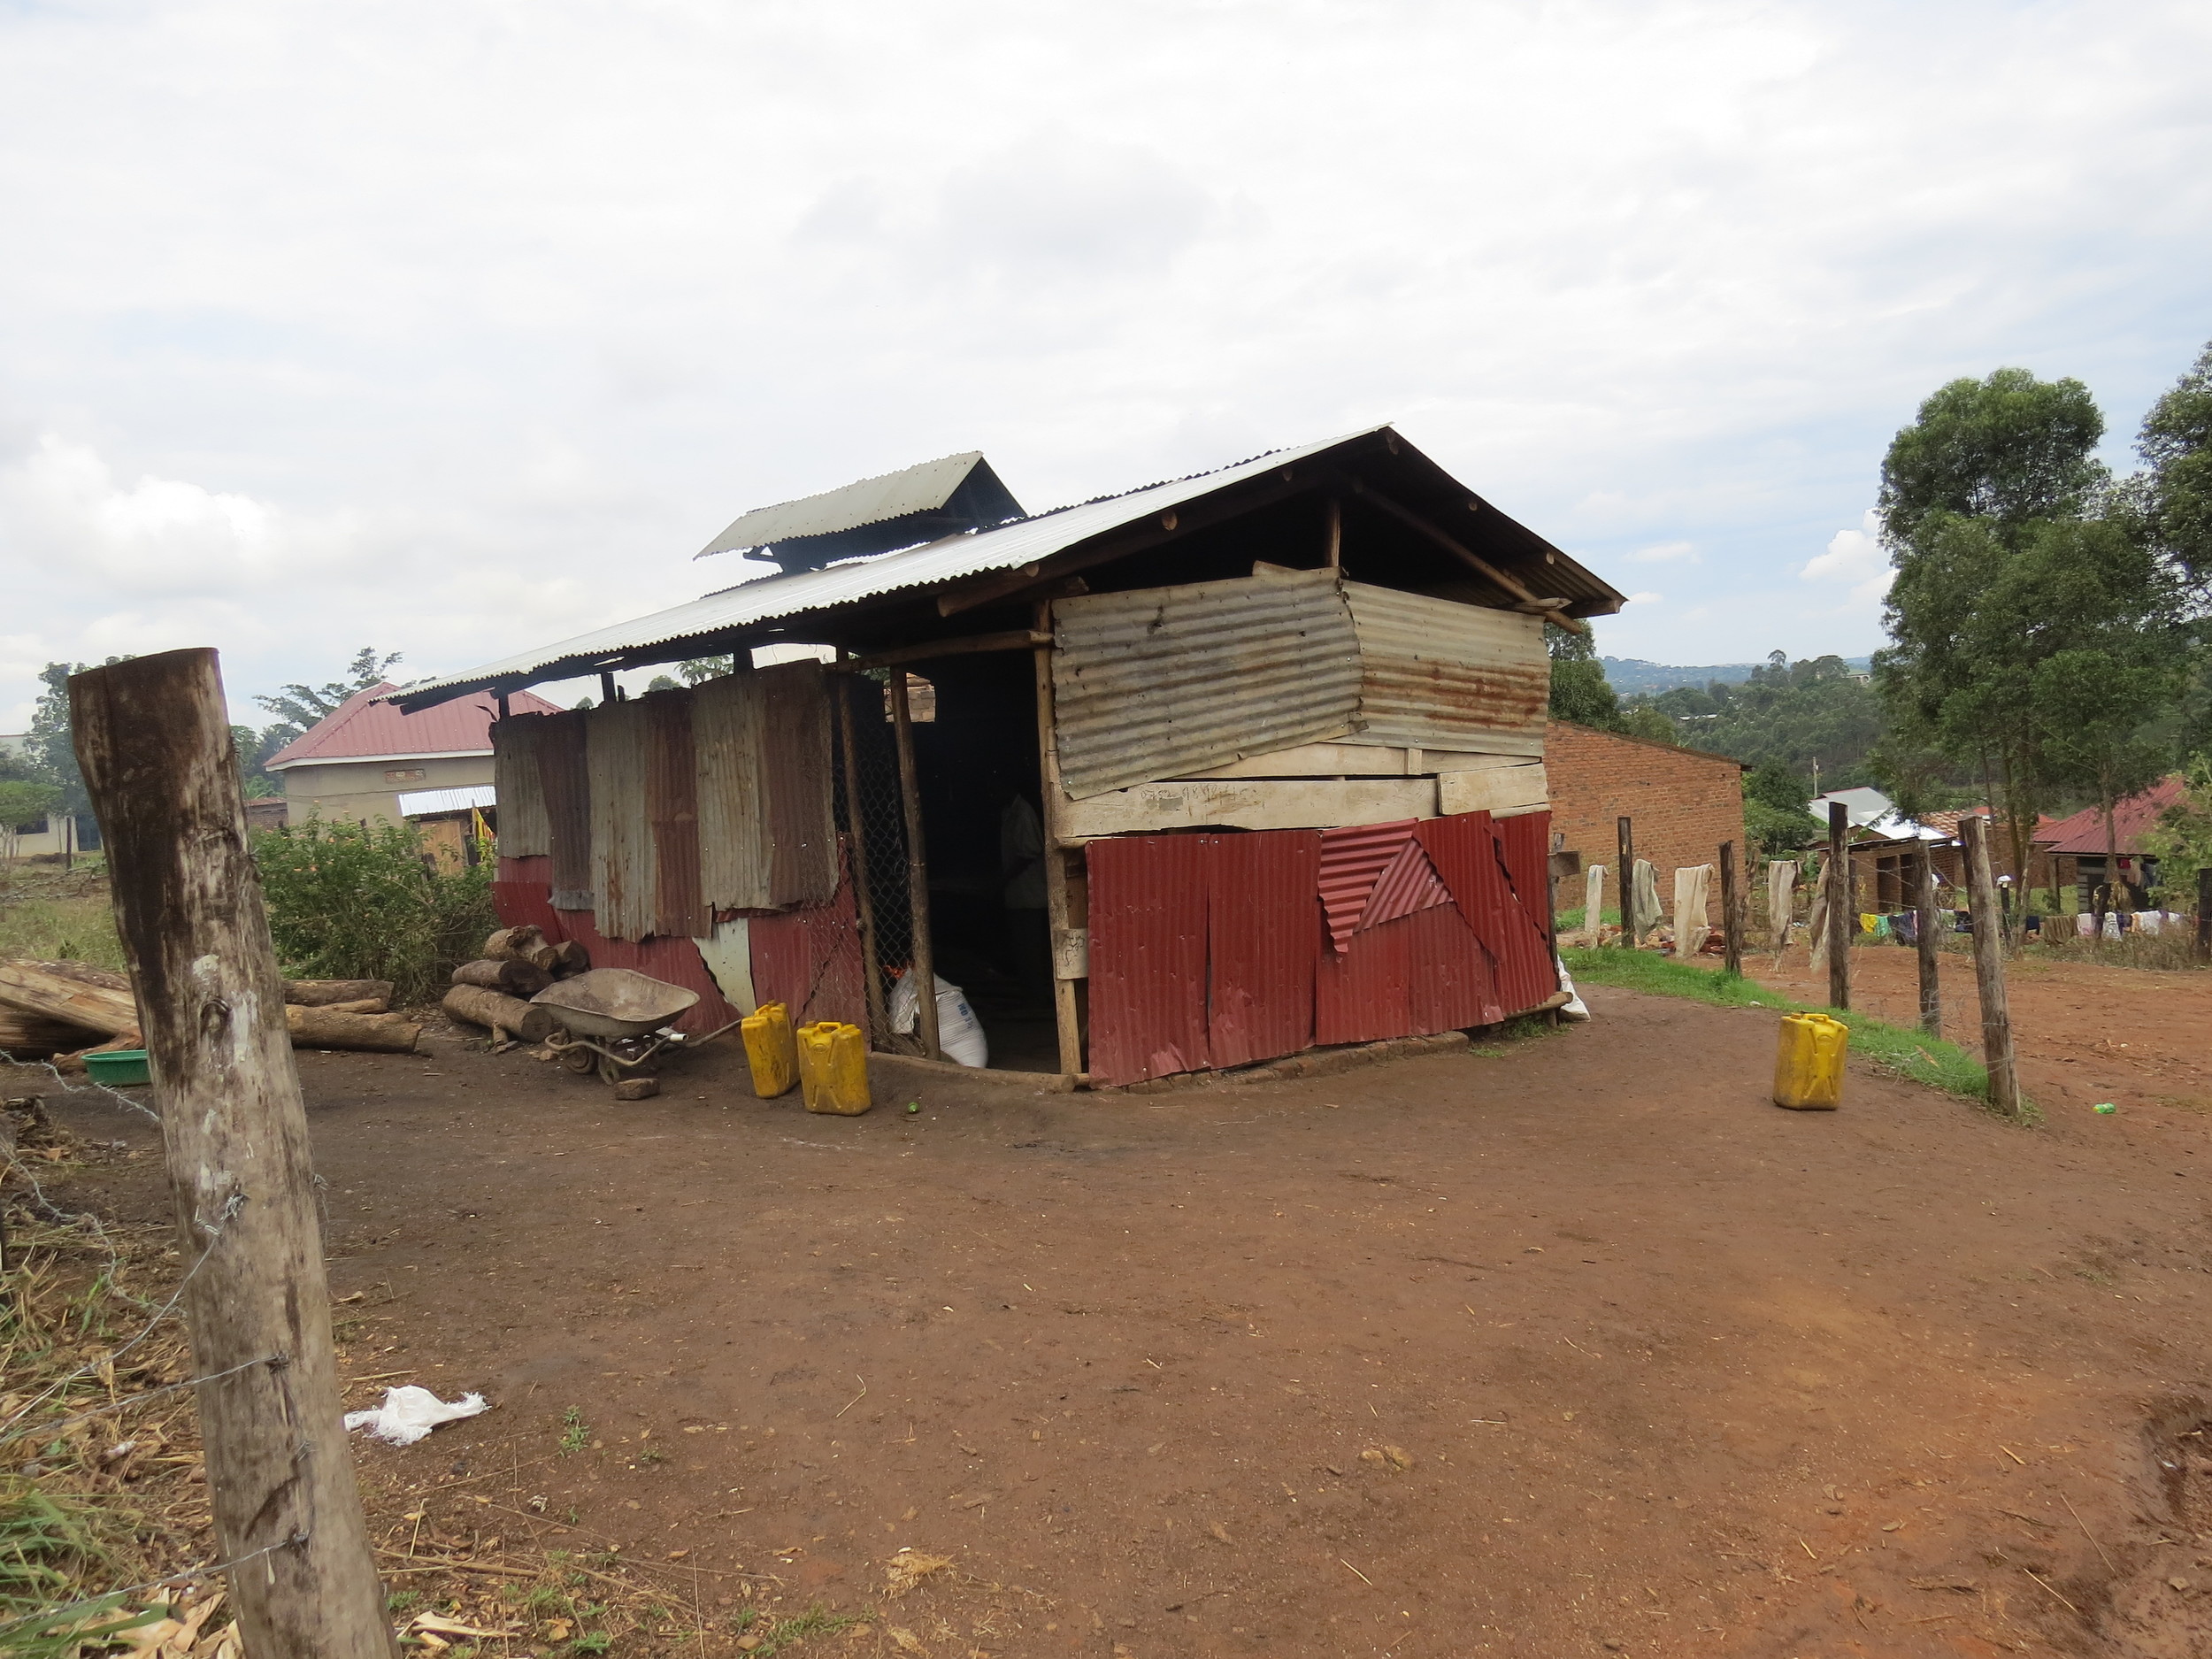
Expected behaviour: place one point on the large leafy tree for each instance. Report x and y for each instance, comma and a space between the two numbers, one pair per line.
2034, 631
1579, 690
2176, 444
298, 707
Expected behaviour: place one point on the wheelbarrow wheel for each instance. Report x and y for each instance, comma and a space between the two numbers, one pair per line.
580, 1060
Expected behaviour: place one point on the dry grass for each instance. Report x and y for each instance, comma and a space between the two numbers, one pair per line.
52, 915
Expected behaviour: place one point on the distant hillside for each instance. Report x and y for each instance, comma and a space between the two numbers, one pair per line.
1627, 674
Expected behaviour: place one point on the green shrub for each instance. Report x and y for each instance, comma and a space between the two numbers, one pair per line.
349, 903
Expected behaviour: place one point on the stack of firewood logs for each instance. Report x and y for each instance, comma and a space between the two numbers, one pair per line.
66, 1009
494, 991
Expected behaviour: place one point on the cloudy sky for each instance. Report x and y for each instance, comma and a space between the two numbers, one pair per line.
456, 327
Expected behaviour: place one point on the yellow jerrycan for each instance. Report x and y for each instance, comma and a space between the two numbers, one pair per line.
833, 1068
1808, 1062
769, 1049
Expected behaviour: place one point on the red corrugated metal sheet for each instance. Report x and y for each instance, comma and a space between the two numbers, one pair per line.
1351, 859
809, 959
1452, 986
1264, 934
671, 802
566, 785
1147, 987
1468, 851
361, 728
1408, 883
522, 896
1363, 993
1527, 974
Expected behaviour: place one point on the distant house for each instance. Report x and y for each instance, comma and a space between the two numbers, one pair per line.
50, 834
354, 764
2078, 845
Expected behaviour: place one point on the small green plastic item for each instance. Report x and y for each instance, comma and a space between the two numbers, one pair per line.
117, 1067
2105, 1109
912, 1107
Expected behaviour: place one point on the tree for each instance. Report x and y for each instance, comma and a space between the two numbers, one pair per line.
299, 706
1814, 713
2176, 444
53, 755
1579, 690
699, 668
22, 802
2181, 840
2007, 450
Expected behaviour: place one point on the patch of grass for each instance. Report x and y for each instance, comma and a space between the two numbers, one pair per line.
816, 1621
575, 1432
78, 928
1907, 1054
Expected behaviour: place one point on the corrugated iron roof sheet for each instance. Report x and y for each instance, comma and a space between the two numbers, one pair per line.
673, 632
421, 803
362, 728
921, 489
1167, 680
2082, 835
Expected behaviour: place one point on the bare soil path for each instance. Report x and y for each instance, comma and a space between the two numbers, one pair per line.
1575, 1345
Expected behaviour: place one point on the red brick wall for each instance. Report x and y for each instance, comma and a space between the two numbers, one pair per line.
1685, 804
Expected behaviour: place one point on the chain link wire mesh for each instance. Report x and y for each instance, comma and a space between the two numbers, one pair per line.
875, 822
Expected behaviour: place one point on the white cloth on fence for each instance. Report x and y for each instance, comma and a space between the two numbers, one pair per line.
408, 1413
2148, 922
1820, 919
1593, 902
1646, 885
2085, 924
1690, 883
1574, 1008
2112, 924
1781, 901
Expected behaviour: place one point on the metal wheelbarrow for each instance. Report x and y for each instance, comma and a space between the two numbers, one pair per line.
614, 1021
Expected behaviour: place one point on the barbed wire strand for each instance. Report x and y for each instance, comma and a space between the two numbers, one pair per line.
53, 1614
38, 1429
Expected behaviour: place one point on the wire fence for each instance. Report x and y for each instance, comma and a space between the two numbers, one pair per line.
877, 821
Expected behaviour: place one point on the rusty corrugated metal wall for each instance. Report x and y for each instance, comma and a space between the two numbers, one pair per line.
671, 800
564, 778
616, 742
522, 830
1351, 859
1148, 985
796, 761
726, 728
1167, 680
1438, 674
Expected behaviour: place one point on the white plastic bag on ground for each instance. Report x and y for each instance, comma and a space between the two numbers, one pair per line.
959, 1032
1574, 1007
408, 1413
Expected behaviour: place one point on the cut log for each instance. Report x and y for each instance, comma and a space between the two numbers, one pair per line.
85, 973
498, 1012
33, 1036
326, 1028
34, 988
73, 1064
325, 993
366, 1005
526, 943
510, 974
570, 958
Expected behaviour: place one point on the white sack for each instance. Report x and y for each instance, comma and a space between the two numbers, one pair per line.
959, 1032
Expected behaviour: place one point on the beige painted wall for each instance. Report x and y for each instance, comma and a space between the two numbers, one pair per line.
355, 790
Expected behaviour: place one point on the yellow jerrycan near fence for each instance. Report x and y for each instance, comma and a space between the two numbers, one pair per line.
769, 1049
1808, 1062
833, 1068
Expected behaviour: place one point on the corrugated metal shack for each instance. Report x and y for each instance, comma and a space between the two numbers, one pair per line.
1280, 727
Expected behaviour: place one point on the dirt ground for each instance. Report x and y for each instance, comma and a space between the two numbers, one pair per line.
1571, 1344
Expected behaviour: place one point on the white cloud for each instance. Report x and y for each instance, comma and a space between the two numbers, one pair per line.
1856, 556
1665, 553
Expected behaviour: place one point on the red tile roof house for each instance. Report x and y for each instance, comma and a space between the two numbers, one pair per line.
2078, 845
354, 764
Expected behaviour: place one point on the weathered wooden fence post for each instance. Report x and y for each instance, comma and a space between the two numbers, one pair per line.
1843, 916
1627, 884
1067, 1027
1731, 910
1931, 978
924, 965
153, 739
1989, 968
863, 889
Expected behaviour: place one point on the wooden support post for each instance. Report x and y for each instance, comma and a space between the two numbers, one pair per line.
924, 967
1627, 883
609, 694
1333, 544
1068, 1028
1989, 968
2204, 916
1731, 910
153, 740
1930, 978
1843, 916
864, 893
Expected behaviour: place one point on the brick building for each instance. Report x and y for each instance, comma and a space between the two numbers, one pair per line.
1685, 803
